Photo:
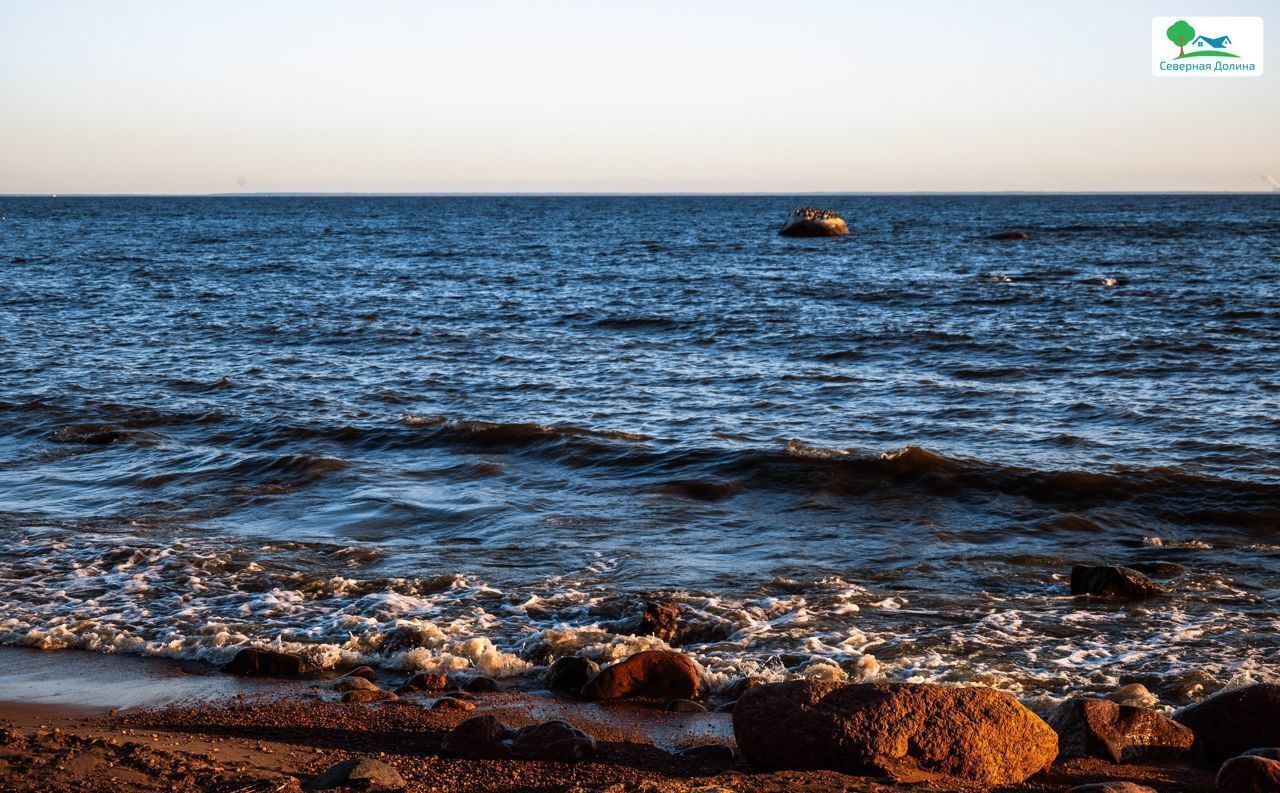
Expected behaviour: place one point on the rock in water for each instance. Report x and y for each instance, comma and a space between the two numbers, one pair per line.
1249, 774
1233, 722
909, 732
1008, 235
1112, 582
1134, 694
252, 662
360, 774
1119, 733
661, 618
811, 222
654, 675
738, 685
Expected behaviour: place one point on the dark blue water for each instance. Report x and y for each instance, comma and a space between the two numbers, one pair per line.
450, 432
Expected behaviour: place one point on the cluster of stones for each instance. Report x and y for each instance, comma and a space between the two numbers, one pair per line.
914, 733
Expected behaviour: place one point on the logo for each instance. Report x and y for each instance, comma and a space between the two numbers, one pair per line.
1206, 46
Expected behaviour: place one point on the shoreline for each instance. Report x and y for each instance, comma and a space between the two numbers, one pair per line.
76, 721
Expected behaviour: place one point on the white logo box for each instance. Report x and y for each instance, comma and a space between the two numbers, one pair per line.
1206, 51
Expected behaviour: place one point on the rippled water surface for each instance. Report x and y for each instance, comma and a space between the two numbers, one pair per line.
450, 432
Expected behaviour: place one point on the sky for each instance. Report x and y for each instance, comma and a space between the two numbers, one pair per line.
602, 96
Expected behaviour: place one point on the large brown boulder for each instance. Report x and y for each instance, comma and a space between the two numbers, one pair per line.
1112, 582
253, 662
654, 675
1119, 733
909, 732
1233, 722
1249, 774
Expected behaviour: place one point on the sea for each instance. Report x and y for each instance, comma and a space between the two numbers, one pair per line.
479, 432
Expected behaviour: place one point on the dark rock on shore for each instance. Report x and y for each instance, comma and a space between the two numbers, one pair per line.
811, 222
710, 751
487, 737
571, 673
478, 684
556, 741
478, 736
1112, 582
1119, 733
909, 732
253, 662
1249, 773
653, 675
359, 774
1233, 722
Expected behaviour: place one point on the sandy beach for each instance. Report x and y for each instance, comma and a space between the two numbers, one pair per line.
76, 722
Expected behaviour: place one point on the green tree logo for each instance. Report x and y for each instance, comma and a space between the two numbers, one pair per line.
1181, 33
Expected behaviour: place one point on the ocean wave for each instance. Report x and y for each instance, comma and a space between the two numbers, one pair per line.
697, 472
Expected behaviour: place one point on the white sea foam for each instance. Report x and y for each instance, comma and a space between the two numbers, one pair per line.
203, 599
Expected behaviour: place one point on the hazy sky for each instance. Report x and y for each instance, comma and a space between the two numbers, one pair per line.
693, 95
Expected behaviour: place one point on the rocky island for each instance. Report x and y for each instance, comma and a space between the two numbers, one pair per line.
811, 222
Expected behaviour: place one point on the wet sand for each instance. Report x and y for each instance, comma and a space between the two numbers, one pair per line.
80, 722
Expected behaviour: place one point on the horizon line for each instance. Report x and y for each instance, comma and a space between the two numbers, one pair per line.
627, 194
